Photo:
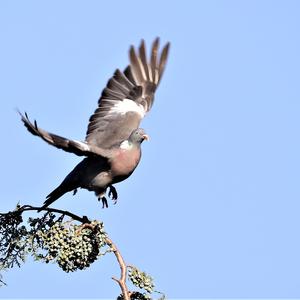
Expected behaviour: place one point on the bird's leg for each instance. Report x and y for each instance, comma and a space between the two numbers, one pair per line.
101, 197
113, 194
104, 201
74, 192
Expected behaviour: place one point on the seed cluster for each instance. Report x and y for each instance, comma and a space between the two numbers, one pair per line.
72, 246
135, 296
141, 279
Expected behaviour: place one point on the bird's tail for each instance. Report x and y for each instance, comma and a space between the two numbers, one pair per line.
70, 183
54, 195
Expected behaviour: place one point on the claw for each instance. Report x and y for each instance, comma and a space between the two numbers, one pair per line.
104, 202
113, 193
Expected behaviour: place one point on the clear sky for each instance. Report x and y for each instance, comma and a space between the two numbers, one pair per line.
213, 208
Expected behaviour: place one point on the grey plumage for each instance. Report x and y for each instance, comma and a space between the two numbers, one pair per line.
113, 139
135, 87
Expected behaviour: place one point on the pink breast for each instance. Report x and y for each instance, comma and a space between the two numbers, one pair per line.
125, 162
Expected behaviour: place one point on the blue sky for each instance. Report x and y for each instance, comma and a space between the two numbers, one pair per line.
213, 209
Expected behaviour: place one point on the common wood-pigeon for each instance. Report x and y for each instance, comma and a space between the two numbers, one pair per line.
113, 139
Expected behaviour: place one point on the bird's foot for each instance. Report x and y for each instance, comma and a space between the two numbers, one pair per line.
104, 201
112, 194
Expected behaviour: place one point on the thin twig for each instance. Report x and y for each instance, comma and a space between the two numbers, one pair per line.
123, 267
122, 264
83, 219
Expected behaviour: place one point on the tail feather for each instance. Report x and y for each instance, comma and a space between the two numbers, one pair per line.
70, 183
54, 195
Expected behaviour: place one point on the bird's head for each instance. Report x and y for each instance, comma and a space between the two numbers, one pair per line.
138, 136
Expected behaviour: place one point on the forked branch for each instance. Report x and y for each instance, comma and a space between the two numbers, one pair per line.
86, 223
123, 267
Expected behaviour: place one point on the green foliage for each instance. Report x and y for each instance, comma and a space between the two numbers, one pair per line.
141, 296
72, 246
136, 296
49, 239
141, 279
13, 240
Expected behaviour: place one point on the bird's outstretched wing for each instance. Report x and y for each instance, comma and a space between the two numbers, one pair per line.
73, 146
127, 97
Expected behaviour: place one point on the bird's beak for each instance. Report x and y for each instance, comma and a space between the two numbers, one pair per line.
146, 137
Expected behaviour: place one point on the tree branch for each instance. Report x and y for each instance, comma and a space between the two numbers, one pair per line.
23, 208
86, 223
123, 267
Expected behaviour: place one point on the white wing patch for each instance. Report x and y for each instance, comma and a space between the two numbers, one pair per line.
83, 145
127, 105
125, 145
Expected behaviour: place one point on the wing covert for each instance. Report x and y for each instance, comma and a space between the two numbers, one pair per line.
127, 97
77, 147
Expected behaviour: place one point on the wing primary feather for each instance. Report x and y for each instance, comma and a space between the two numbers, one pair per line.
122, 79
163, 61
109, 125
136, 66
143, 59
128, 74
108, 93
153, 60
113, 84
52, 139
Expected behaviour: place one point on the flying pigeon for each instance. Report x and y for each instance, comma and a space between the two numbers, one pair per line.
112, 147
